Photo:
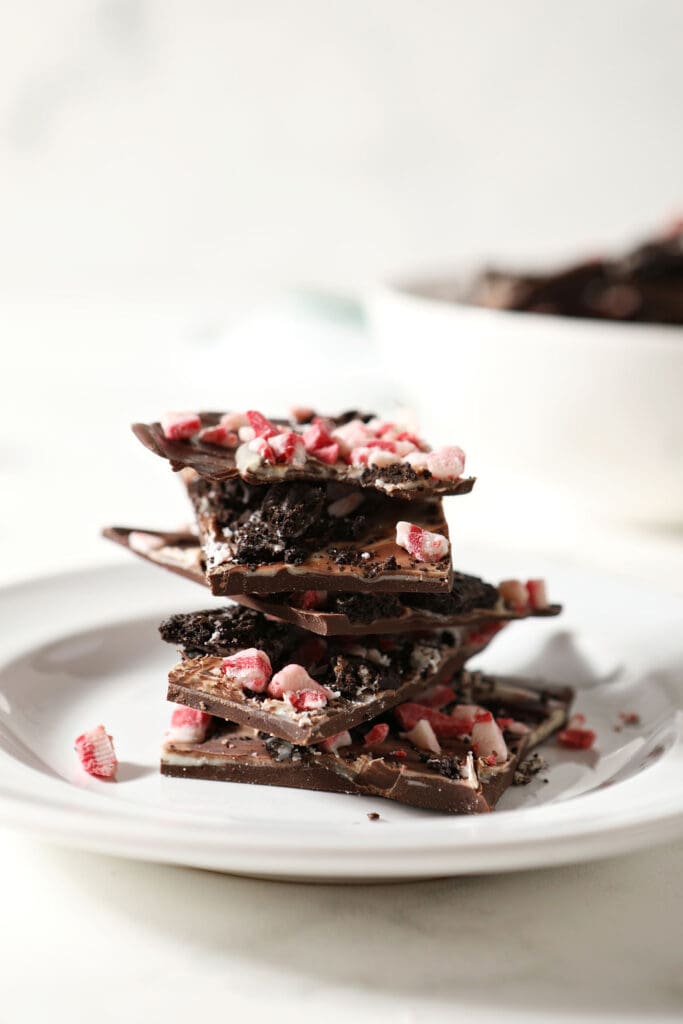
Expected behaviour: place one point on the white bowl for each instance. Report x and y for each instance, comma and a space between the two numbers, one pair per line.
588, 410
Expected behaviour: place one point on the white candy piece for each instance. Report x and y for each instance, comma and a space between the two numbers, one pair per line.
423, 736
380, 457
423, 545
488, 739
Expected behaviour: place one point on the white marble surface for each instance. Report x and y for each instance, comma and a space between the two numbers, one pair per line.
136, 942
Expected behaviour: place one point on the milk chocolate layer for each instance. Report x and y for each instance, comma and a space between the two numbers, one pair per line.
454, 781
274, 538
470, 599
215, 463
364, 678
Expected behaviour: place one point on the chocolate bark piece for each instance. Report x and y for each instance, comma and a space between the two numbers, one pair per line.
342, 614
261, 540
454, 781
234, 753
364, 679
178, 551
217, 463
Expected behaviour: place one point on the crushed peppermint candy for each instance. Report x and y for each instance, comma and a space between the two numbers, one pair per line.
487, 739
294, 685
219, 435
250, 669
422, 735
446, 463
178, 426
423, 545
576, 736
188, 725
95, 749
334, 743
377, 734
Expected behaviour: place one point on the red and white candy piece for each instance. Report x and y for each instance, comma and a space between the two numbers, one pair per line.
487, 739
514, 594
95, 749
250, 669
188, 725
329, 454
316, 436
293, 684
575, 736
446, 463
288, 448
537, 594
234, 420
423, 736
452, 726
219, 435
260, 425
377, 734
177, 426
334, 743
423, 545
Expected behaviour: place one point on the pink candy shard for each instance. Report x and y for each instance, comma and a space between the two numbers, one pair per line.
423, 545
377, 734
446, 463
260, 425
250, 669
328, 454
293, 683
95, 749
177, 426
306, 700
487, 739
188, 725
334, 743
219, 435
316, 436
234, 420
288, 448
537, 594
514, 594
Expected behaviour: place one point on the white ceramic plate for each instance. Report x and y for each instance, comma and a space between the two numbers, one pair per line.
82, 648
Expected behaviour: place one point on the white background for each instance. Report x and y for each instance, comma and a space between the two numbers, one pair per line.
167, 167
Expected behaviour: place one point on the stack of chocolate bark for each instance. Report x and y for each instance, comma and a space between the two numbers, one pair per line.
339, 663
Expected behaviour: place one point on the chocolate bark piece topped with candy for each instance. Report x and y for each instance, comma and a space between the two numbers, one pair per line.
303, 536
288, 683
459, 773
334, 613
353, 448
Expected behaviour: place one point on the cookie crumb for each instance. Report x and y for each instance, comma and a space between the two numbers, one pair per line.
373, 816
